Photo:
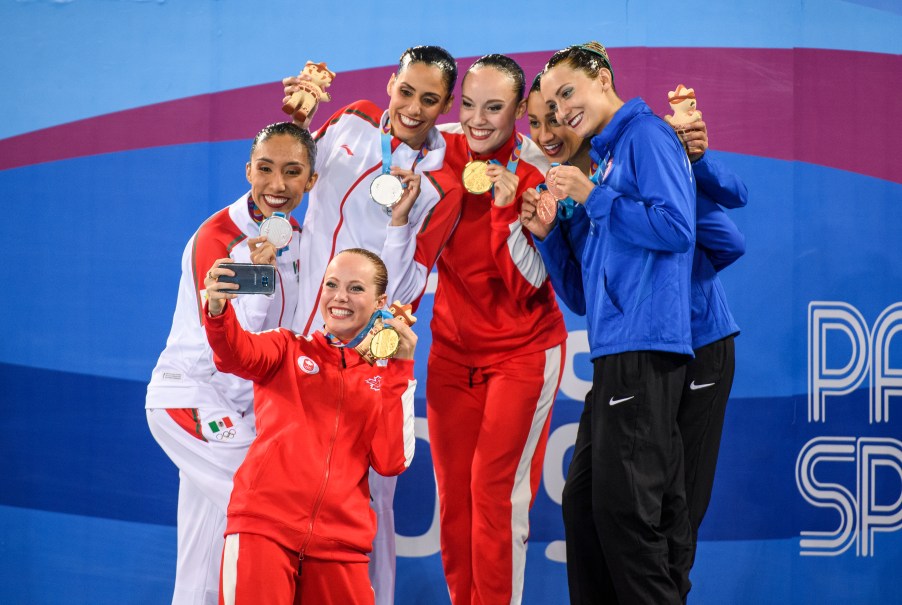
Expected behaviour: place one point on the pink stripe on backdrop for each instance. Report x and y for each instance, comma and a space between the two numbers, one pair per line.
787, 104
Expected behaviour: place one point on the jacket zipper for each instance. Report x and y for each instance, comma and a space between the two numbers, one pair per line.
322, 490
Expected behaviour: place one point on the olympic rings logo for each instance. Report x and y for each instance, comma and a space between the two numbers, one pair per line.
225, 434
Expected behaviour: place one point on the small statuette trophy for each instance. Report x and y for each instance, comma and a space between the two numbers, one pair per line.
303, 102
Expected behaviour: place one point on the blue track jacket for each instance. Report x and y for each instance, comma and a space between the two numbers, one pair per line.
639, 236
718, 244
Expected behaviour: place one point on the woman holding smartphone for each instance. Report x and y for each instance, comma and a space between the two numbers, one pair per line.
299, 520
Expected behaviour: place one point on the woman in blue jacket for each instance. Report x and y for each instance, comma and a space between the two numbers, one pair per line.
626, 477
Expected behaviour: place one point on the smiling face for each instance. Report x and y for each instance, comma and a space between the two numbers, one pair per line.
350, 295
279, 174
559, 143
418, 96
579, 101
489, 109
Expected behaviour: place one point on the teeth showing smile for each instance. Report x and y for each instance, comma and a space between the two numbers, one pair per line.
274, 201
553, 149
340, 313
574, 121
408, 122
479, 133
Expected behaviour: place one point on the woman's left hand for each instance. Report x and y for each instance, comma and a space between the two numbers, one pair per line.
262, 252
411, 182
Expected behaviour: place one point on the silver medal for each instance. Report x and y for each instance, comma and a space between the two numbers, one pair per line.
386, 190
277, 230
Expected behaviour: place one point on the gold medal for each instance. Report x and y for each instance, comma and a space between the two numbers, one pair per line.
546, 207
475, 178
384, 344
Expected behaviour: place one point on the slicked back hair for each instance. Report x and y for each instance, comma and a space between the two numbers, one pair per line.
435, 56
505, 65
293, 130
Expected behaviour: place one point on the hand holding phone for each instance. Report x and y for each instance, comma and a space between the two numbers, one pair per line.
251, 278
242, 278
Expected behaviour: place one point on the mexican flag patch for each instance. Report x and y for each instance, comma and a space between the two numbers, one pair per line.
220, 425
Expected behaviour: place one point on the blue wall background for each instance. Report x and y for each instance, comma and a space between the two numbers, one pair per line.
126, 123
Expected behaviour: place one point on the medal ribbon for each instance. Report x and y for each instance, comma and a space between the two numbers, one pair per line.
511, 162
386, 150
598, 169
254, 211
335, 341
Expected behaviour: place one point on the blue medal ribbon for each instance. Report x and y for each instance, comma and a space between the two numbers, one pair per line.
335, 341
386, 150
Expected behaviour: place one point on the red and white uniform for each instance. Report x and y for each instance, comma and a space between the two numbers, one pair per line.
494, 369
342, 215
324, 416
202, 418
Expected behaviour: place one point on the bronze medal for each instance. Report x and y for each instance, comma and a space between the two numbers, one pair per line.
384, 343
557, 193
475, 178
546, 207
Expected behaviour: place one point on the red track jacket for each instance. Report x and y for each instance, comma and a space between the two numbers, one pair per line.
323, 417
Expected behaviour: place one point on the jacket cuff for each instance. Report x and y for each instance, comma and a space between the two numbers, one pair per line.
216, 319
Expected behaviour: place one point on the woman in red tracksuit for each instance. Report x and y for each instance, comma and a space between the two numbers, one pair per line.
299, 521
497, 349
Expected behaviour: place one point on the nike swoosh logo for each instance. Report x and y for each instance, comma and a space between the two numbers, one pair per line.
695, 387
616, 401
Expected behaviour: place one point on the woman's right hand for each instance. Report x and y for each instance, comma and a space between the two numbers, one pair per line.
569, 181
529, 217
291, 85
407, 338
218, 292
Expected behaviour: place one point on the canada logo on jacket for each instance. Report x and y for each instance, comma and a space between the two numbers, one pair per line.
307, 365
375, 382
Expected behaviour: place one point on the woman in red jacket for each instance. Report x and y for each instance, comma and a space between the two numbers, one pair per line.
497, 346
299, 521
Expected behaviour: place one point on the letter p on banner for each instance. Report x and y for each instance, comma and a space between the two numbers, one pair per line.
823, 317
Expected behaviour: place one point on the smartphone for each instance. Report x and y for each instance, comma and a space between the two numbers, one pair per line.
251, 278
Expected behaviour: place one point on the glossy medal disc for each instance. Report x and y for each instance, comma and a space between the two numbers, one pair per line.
546, 207
475, 178
384, 344
277, 230
386, 190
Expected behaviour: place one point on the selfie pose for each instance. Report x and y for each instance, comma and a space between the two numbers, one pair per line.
201, 417
300, 525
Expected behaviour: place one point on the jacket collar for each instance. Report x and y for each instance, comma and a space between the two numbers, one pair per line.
605, 141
